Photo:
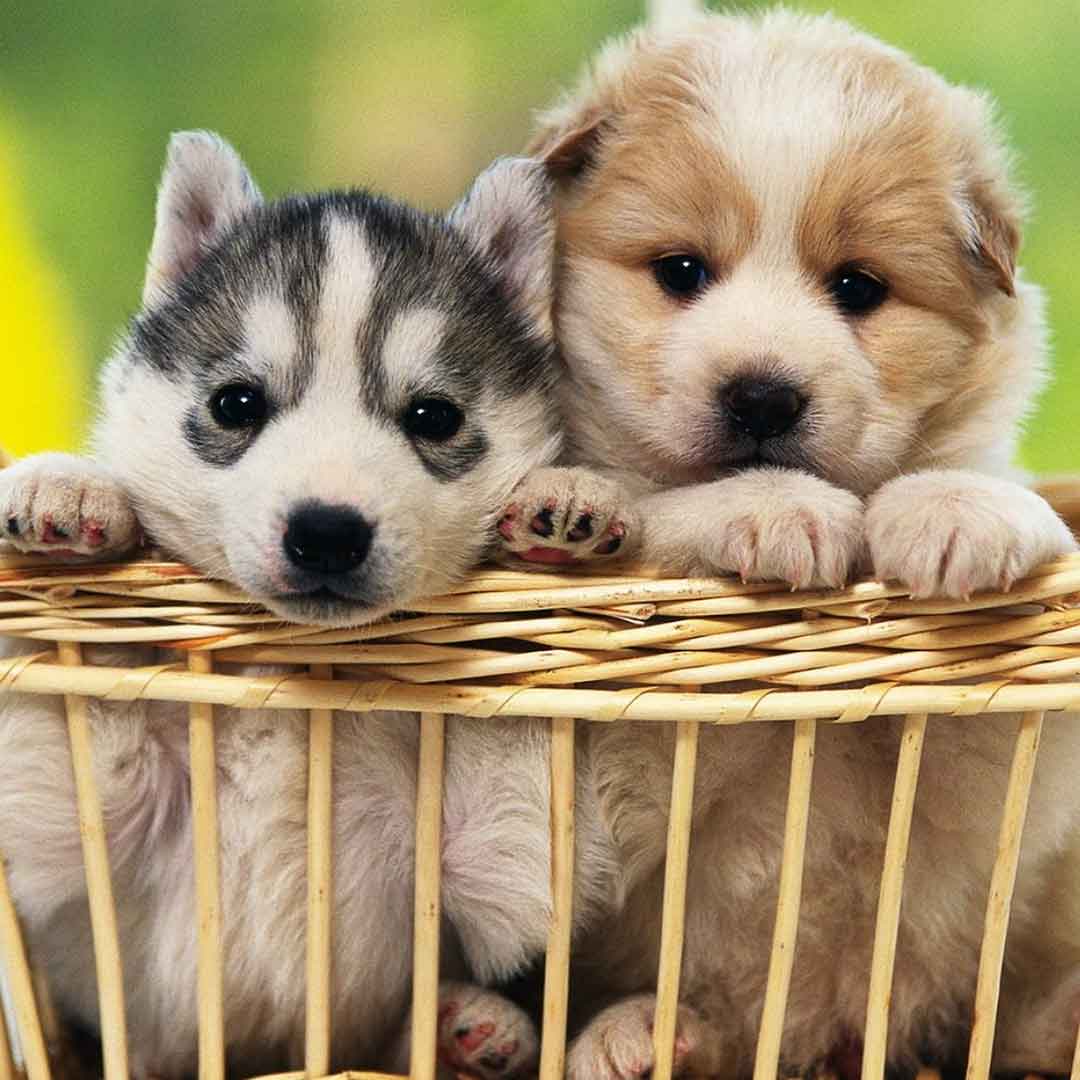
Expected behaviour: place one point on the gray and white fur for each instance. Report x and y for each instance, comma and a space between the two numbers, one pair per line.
325, 400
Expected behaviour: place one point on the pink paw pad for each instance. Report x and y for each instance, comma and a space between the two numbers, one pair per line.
50, 534
93, 533
472, 1037
508, 521
553, 556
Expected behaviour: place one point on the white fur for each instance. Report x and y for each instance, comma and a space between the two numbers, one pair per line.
228, 521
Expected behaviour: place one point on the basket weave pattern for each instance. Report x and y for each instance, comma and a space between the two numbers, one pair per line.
565, 646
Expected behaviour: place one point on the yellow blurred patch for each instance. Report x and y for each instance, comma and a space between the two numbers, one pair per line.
43, 377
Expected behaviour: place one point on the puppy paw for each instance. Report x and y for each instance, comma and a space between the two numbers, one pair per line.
565, 516
953, 533
483, 1034
778, 525
62, 504
618, 1043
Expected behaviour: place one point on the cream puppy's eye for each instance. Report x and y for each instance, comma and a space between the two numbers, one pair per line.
855, 291
683, 276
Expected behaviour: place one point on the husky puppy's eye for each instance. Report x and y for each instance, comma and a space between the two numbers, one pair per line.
855, 291
432, 418
238, 405
683, 276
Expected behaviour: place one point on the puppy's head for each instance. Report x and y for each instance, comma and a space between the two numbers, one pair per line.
782, 241
328, 399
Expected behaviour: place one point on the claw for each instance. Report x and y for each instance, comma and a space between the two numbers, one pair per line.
583, 528
542, 524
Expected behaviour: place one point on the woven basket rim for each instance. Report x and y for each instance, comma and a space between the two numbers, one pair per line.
607, 646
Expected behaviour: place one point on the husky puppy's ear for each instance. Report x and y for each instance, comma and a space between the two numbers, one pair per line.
509, 214
204, 188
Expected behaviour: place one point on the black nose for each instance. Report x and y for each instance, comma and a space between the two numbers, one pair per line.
761, 407
327, 539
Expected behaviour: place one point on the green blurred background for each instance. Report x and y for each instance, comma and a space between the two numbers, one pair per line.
413, 98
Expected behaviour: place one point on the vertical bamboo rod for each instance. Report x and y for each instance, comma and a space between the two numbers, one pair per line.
427, 903
674, 912
557, 972
999, 902
50, 1022
21, 985
320, 883
1075, 1074
7, 1059
110, 973
789, 899
204, 818
875, 1040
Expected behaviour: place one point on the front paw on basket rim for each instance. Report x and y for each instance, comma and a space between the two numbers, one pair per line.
551, 537
561, 516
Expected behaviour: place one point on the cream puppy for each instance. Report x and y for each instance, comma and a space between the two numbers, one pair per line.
796, 336
788, 284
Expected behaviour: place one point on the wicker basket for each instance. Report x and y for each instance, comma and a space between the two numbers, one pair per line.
583, 647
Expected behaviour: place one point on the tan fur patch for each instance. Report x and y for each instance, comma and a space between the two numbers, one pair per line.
778, 150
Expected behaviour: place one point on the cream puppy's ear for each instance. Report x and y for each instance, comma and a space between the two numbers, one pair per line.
995, 237
993, 209
509, 215
204, 188
567, 140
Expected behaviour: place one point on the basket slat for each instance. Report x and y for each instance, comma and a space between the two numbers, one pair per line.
204, 821
673, 919
557, 969
110, 972
999, 902
767, 1059
7, 1059
876, 1037
351, 1074
297, 692
320, 885
1075, 1074
427, 904
21, 985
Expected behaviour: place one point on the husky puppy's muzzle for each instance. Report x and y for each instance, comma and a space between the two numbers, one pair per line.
326, 547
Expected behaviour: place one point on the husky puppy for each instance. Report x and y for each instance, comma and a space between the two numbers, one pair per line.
325, 400
795, 334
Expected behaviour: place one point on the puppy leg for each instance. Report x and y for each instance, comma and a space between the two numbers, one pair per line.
952, 533
564, 516
142, 783
480, 1033
57, 502
618, 1043
1038, 1030
763, 524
